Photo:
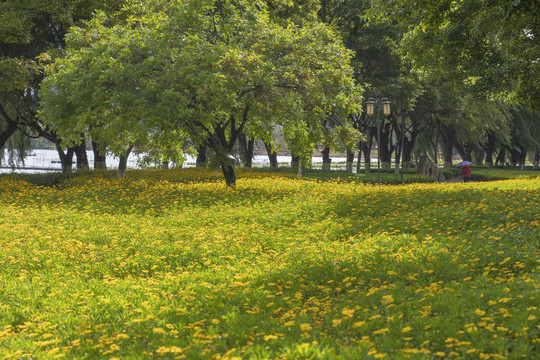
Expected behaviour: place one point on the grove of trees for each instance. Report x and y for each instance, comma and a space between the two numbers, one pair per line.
161, 77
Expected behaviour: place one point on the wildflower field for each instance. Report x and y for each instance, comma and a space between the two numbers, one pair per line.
278, 268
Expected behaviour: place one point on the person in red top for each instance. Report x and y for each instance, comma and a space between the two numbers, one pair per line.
466, 173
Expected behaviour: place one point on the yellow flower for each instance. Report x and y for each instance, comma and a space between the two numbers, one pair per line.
406, 329
53, 351
348, 312
159, 331
169, 350
381, 331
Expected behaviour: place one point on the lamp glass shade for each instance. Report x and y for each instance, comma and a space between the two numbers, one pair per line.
370, 107
404, 119
386, 107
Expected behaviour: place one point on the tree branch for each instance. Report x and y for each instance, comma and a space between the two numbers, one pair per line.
5, 115
235, 132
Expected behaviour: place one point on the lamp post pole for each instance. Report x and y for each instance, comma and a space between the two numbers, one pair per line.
378, 142
371, 104
404, 120
403, 115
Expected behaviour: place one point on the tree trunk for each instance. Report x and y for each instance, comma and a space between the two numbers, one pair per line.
515, 156
82, 158
435, 144
100, 160
448, 159
501, 157
201, 156
229, 174
489, 148
398, 159
6, 134
386, 147
465, 150
295, 161
223, 139
272, 156
242, 145
522, 157
409, 146
350, 160
367, 157
448, 140
478, 156
361, 145
327, 161
122, 164
489, 159
435, 153
536, 158
66, 159
249, 155
246, 149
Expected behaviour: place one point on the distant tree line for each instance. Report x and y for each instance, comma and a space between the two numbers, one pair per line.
212, 76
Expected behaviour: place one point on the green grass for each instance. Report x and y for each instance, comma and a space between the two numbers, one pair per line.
172, 264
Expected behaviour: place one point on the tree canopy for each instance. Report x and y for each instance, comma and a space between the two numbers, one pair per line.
492, 47
27, 29
208, 69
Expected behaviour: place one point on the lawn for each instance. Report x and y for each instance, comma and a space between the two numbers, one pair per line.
172, 264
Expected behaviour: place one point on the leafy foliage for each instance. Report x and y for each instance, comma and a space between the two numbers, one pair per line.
210, 70
27, 30
492, 47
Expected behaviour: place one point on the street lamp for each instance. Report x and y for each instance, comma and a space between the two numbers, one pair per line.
404, 120
371, 104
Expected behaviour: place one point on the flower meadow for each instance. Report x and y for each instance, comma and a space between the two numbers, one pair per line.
175, 265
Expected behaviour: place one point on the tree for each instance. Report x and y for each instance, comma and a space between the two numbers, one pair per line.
210, 69
491, 47
525, 127
378, 64
26, 30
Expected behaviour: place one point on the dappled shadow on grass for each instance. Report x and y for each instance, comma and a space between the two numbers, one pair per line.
435, 211
435, 288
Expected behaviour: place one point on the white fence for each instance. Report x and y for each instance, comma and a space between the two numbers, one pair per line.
48, 160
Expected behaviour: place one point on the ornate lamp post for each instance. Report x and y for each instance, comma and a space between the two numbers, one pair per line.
371, 104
